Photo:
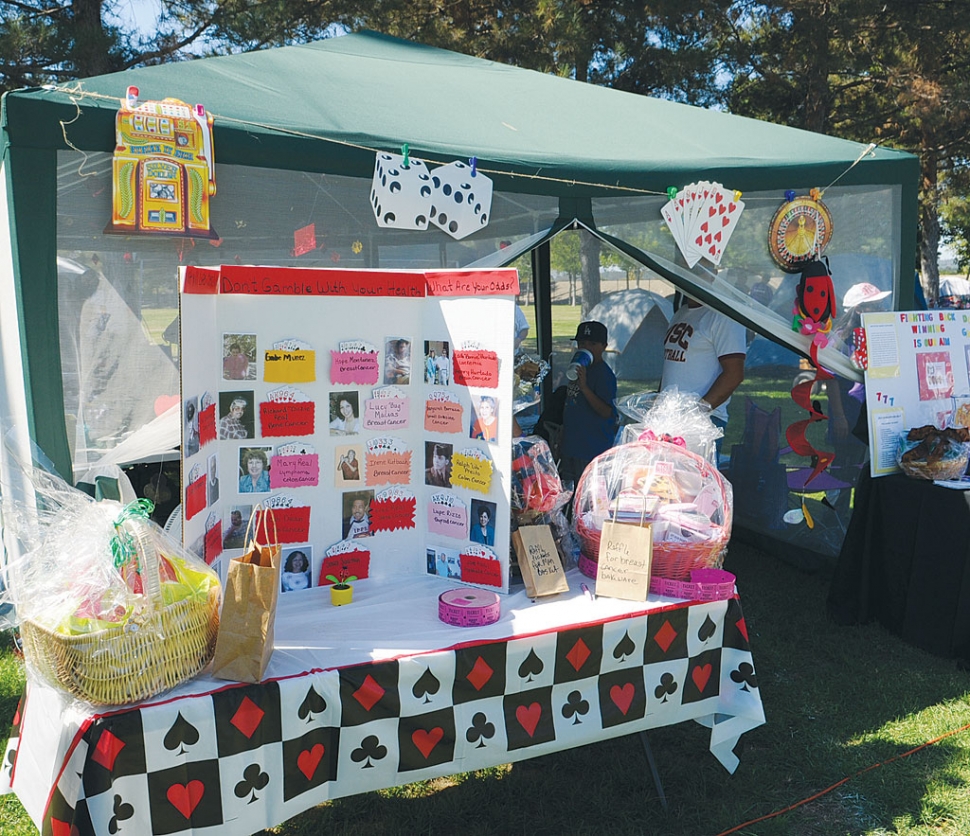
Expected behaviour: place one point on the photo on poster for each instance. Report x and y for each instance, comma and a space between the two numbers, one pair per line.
935, 375
349, 458
437, 464
484, 419
344, 413
356, 514
236, 415
296, 568
191, 430
212, 480
445, 563
437, 362
397, 361
238, 356
254, 469
482, 522
234, 535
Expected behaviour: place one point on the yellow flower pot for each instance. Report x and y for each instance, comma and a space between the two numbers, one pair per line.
341, 593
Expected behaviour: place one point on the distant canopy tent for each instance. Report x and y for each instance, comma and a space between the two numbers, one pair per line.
295, 135
636, 321
954, 292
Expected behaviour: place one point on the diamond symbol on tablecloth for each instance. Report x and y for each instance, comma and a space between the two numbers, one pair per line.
107, 750
742, 628
480, 673
369, 693
247, 717
578, 655
665, 636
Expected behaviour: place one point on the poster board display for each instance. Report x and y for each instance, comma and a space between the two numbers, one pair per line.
918, 373
370, 409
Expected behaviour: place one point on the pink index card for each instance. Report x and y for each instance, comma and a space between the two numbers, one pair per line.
361, 367
448, 520
442, 417
388, 468
295, 471
386, 413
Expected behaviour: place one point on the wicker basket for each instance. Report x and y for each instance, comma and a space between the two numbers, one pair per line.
121, 665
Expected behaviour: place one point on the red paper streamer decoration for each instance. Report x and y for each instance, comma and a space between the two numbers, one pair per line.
796, 432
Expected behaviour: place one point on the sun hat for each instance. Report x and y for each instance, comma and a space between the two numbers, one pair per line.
863, 292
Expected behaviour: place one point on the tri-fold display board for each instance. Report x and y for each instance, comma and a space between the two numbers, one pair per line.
365, 416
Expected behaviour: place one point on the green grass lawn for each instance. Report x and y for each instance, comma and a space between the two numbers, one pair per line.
839, 701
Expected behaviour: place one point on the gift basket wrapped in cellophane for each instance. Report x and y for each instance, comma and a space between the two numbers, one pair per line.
681, 495
671, 415
538, 495
110, 608
930, 453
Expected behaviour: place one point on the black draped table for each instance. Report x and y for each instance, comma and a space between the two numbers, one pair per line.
905, 562
378, 694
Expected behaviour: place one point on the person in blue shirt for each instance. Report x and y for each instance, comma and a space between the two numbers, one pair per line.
256, 476
589, 416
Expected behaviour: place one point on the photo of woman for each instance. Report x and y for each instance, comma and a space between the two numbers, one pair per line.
485, 426
254, 467
296, 570
483, 522
343, 413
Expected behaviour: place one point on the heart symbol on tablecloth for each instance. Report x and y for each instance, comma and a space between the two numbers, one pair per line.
701, 674
186, 797
528, 717
309, 759
623, 697
427, 740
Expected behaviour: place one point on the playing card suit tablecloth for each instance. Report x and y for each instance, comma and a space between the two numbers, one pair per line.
241, 758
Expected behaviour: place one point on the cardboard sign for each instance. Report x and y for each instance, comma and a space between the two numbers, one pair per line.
625, 556
539, 561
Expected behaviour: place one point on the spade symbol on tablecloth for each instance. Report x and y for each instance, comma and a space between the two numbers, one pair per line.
481, 730
122, 811
312, 704
182, 734
575, 705
625, 647
370, 748
667, 687
745, 673
427, 683
11, 760
532, 666
707, 629
253, 779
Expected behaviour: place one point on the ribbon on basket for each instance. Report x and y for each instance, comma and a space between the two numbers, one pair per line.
650, 435
123, 542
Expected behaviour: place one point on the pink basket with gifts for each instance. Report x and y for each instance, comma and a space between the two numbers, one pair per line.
681, 495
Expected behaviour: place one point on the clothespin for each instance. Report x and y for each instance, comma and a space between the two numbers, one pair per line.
406, 153
815, 194
473, 162
737, 195
790, 195
671, 192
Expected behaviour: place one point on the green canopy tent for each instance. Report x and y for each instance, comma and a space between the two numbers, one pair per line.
295, 134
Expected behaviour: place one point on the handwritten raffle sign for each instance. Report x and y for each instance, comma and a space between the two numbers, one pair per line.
443, 417
476, 368
448, 520
386, 413
388, 468
295, 471
360, 367
539, 562
292, 524
279, 418
623, 567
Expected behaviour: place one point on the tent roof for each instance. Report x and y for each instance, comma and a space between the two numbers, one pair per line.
329, 105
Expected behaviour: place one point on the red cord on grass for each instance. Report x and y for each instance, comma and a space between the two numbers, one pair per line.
791, 807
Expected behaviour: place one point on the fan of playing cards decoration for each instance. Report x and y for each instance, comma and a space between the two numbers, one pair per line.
702, 218
799, 232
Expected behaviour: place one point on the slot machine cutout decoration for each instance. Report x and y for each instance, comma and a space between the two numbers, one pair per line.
163, 171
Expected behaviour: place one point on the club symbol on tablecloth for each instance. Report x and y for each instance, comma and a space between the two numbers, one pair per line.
370, 748
745, 673
427, 684
625, 647
667, 687
122, 811
253, 779
575, 705
182, 734
312, 704
481, 730
532, 666
707, 629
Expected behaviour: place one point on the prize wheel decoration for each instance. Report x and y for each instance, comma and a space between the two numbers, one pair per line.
799, 232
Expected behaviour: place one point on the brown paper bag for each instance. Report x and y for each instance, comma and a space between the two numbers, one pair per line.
247, 626
623, 565
539, 561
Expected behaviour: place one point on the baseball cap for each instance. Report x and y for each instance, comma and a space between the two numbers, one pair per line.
863, 292
592, 331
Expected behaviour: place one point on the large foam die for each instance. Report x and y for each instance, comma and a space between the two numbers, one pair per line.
461, 202
399, 196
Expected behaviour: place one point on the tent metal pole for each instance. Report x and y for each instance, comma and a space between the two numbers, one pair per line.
542, 290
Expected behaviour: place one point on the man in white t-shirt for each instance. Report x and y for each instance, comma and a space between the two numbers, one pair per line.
704, 354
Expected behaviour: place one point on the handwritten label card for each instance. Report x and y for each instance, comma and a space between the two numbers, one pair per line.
292, 524
392, 513
476, 368
207, 424
290, 366
448, 516
539, 561
443, 417
295, 471
195, 497
472, 472
481, 570
386, 413
388, 467
354, 367
623, 567
355, 562
213, 542
279, 418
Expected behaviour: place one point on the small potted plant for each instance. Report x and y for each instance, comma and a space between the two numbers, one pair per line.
341, 592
